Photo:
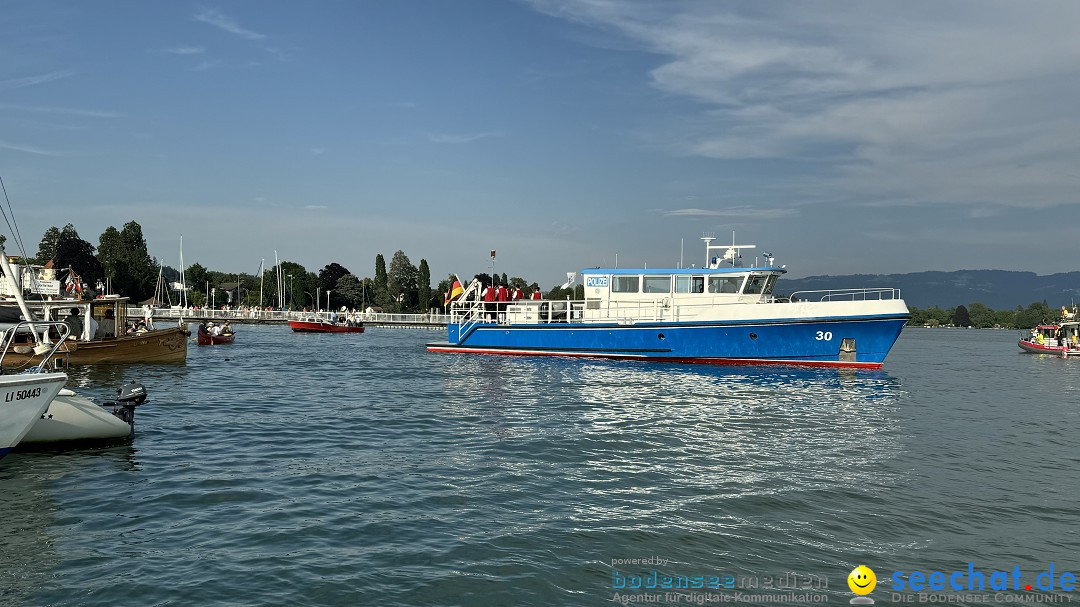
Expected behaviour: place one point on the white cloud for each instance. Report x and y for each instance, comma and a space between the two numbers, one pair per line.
462, 138
739, 212
914, 102
29, 149
18, 83
226, 23
59, 110
186, 50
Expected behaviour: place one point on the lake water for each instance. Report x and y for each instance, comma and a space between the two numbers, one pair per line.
291, 469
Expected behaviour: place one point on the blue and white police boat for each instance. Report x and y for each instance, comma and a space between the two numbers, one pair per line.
723, 313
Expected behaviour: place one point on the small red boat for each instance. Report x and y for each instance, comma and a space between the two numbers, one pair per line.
1062, 339
319, 325
206, 338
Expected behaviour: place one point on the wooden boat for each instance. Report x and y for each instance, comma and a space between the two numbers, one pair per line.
315, 324
206, 338
130, 345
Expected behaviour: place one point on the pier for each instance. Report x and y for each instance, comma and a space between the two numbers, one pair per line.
253, 317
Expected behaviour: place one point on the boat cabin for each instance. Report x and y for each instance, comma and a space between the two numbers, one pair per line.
58, 310
1065, 334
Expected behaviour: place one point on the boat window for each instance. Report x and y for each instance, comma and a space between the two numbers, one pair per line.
755, 285
592, 304
656, 284
624, 284
724, 284
689, 284
769, 285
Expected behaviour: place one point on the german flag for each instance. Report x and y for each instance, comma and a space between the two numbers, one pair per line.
454, 292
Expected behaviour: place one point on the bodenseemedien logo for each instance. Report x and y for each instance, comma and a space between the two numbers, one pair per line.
862, 580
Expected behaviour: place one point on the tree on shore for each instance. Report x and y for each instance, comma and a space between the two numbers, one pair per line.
382, 295
424, 287
75, 253
329, 277
960, 317
47, 247
401, 282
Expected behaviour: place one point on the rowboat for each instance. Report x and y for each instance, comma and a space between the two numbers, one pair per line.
315, 324
206, 338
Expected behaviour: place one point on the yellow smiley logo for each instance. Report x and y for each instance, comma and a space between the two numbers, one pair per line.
862, 580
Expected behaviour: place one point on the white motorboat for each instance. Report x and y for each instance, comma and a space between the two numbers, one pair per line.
24, 398
71, 417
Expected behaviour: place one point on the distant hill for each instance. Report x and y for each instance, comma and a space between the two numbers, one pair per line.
998, 289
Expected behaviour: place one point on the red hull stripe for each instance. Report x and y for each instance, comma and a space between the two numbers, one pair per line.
672, 359
1032, 347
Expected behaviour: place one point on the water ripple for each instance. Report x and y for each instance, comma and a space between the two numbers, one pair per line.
345, 470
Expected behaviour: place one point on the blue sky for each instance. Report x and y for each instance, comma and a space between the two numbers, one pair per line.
844, 137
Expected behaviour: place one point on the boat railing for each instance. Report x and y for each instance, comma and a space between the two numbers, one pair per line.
846, 294
38, 331
241, 315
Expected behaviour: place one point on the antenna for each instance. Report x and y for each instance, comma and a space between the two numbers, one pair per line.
708, 237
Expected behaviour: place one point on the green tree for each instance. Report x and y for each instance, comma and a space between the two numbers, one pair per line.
401, 282
423, 288
47, 248
382, 293
126, 263
982, 316
351, 291
197, 279
137, 276
329, 277
109, 254
75, 253
961, 317
1005, 319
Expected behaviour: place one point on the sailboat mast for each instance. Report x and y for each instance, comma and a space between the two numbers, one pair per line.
183, 276
262, 282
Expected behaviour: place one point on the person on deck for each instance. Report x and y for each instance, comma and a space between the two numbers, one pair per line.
516, 294
74, 323
107, 327
489, 301
501, 296
148, 316
93, 326
536, 291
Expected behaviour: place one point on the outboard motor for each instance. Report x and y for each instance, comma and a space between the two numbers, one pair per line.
128, 396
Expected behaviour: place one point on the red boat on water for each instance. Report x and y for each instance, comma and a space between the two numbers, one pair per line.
1062, 339
320, 325
206, 338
